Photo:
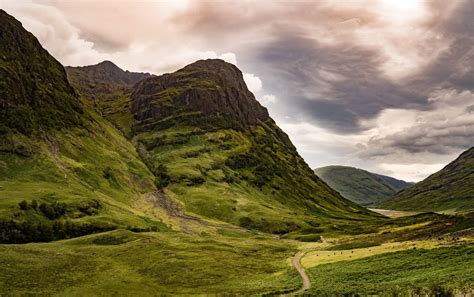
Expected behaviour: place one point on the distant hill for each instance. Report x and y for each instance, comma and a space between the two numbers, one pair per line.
450, 189
360, 186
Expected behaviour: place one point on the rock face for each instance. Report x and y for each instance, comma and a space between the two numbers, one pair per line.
34, 90
208, 87
451, 189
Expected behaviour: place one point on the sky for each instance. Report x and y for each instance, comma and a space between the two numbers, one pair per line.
383, 85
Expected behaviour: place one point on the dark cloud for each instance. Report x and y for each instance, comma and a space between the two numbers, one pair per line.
334, 86
455, 66
340, 70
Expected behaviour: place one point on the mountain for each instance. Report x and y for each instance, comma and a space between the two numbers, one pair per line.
450, 189
360, 186
190, 151
107, 87
64, 170
214, 148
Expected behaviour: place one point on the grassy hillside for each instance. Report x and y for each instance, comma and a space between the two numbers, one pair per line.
450, 189
70, 170
398, 184
358, 185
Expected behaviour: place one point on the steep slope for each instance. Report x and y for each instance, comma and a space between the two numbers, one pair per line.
214, 148
450, 189
34, 91
108, 88
359, 186
64, 170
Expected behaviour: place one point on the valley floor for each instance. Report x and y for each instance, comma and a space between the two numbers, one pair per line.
123, 263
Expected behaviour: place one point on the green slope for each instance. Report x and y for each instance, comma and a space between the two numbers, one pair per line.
450, 189
359, 186
64, 170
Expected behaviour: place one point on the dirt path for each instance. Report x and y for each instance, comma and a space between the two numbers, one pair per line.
296, 262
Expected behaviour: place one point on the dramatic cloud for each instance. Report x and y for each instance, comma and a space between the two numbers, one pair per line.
386, 85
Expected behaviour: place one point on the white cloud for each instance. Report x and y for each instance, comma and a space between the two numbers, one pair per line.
253, 82
229, 58
268, 98
410, 172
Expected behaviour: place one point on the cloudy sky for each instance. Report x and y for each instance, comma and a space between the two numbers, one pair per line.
384, 85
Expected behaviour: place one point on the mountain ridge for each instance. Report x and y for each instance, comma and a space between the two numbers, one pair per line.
449, 189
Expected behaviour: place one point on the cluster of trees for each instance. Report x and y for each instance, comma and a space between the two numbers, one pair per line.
44, 231
58, 209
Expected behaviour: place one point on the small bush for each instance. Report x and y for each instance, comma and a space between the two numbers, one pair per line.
23, 205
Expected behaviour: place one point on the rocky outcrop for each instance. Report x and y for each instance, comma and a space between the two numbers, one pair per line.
207, 87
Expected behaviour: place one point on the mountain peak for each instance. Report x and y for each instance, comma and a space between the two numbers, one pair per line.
108, 65
212, 65
211, 88
106, 73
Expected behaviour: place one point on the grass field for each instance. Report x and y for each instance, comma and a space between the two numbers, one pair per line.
124, 263
440, 271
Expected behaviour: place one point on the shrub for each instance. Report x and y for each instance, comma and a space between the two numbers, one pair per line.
23, 205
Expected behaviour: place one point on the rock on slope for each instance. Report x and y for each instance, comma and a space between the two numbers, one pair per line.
450, 189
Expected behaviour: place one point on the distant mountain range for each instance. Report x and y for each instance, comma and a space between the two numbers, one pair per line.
361, 186
450, 189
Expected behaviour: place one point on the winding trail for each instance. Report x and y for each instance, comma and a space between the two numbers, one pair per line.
296, 262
